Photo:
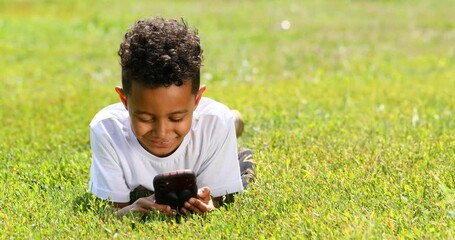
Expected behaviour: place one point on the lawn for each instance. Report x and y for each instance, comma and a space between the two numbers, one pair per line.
349, 107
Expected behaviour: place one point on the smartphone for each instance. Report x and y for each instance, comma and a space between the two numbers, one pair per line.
174, 188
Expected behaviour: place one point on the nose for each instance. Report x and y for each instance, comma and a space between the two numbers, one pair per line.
160, 128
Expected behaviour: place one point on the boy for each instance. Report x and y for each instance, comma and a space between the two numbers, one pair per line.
162, 124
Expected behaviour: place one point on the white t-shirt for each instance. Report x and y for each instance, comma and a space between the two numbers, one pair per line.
120, 163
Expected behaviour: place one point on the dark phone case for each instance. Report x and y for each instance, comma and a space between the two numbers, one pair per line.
174, 188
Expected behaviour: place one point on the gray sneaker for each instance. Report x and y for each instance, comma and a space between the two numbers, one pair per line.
247, 167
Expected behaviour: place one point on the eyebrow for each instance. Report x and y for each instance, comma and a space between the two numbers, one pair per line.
138, 112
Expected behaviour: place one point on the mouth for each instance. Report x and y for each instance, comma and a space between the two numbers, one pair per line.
160, 143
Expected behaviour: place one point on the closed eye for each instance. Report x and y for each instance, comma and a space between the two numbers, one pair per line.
146, 119
176, 119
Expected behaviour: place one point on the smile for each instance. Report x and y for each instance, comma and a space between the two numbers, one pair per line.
160, 143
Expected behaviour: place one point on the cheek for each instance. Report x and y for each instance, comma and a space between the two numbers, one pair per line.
183, 128
140, 129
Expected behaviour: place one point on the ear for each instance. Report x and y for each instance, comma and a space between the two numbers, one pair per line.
122, 96
199, 95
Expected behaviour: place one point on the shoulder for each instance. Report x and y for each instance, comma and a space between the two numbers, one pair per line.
211, 110
110, 117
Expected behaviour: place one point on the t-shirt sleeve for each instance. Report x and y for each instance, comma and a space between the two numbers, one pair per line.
106, 176
220, 170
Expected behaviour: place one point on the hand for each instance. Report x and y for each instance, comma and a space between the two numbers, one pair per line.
201, 205
144, 205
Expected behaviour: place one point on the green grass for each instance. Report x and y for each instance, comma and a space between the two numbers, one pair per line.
350, 113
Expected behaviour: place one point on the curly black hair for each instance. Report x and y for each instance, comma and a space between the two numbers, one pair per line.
160, 53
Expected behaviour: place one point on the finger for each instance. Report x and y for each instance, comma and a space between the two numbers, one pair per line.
191, 208
143, 205
139, 209
164, 209
195, 205
151, 198
148, 204
184, 211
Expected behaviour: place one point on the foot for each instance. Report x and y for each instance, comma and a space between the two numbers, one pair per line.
238, 120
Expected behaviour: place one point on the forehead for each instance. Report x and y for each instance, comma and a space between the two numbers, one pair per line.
161, 100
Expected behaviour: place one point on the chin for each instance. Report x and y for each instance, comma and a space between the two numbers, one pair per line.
161, 152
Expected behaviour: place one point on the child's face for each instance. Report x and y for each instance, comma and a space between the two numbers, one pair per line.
161, 117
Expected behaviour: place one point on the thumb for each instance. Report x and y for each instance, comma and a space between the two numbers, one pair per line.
204, 194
